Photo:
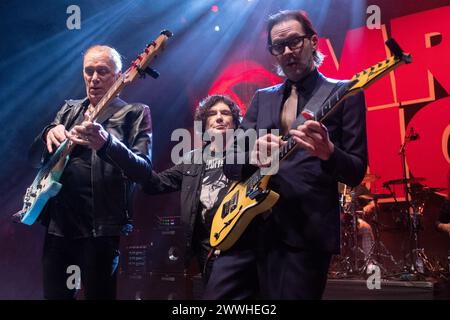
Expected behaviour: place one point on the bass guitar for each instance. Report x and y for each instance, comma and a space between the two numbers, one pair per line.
46, 185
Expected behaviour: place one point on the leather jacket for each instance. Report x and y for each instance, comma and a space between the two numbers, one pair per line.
125, 159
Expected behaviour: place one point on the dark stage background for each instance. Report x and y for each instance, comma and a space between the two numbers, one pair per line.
215, 49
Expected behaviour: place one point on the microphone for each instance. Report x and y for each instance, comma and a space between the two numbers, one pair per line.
412, 136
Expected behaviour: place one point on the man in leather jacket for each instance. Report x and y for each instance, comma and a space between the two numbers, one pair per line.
199, 177
86, 218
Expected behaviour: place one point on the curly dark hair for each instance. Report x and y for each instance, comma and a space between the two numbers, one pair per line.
210, 101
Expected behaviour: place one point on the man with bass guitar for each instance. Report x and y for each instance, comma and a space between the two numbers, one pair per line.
86, 218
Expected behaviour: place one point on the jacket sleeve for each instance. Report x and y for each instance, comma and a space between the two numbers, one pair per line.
167, 181
37, 153
134, 161
241, 148
348, 162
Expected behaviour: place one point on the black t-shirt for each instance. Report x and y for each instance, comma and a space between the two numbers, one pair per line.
213, 188
71, 211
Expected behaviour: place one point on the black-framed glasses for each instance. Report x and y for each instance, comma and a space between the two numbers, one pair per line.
293, 44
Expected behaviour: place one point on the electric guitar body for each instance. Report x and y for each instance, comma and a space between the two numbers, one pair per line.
44, 187
238, 208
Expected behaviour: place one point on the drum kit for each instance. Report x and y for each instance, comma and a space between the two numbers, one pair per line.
353, 260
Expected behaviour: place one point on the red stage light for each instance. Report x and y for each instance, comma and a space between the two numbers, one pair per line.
215, 8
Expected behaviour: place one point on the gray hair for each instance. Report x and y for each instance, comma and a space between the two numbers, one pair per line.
113, 54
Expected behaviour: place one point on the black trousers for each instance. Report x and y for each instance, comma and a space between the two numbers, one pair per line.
267, 268
96, 259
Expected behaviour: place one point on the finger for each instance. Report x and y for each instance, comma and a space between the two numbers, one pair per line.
312, 123
273, 146
80, 141
305, 145
275, 139
263, 161
87, 116
314, 126
267, 147
301, 127
59, 134
315, 137
301, 134
71, 134
79, 130
320, 135
49, 144
264, 164
268, 137
51, 140
86, 127
55, 141
93, 128
86, 124
310, 141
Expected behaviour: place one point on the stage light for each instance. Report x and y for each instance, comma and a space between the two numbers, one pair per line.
215, 8
217, 28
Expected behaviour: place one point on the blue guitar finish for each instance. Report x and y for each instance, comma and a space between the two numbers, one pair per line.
44, 186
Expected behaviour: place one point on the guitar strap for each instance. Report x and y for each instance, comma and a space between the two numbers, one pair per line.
112, 108
319, 97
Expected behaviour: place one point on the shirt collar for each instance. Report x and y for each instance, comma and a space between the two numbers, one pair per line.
306, 85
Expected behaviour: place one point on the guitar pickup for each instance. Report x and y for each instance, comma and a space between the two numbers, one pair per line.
234, 201
254, 193
226, 209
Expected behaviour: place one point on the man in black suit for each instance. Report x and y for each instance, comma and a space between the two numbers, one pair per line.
285, 254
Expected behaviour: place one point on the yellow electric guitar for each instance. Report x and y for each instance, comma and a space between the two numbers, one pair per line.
247, 199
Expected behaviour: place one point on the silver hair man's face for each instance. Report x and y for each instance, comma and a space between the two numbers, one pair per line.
100, 71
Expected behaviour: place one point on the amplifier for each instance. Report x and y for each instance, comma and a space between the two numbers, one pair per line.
161, 286
135, 260
167, 249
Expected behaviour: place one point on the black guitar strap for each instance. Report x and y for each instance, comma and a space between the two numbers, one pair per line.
114, 106
317, 100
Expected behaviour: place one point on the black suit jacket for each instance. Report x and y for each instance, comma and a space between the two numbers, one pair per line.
307, 214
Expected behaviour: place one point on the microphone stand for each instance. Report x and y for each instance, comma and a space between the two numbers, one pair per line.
412, 216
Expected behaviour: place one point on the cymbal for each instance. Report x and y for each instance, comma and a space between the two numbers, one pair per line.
373, 196
370, 177
403, 181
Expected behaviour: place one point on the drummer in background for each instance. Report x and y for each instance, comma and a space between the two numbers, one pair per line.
443, 223
364, 208
365, 233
